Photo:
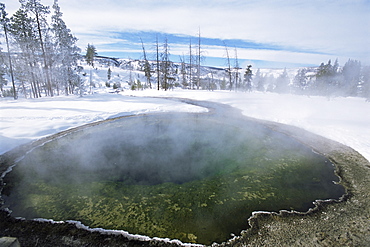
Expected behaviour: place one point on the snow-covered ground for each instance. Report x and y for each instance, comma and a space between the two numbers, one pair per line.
346, 120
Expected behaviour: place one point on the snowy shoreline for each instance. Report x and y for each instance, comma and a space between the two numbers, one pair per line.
328, 224
345, 120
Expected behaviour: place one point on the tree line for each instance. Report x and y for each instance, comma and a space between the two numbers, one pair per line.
328, 79
189, 73
41, 59
351, 79
41, 51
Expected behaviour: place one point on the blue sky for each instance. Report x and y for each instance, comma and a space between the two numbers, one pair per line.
265, 33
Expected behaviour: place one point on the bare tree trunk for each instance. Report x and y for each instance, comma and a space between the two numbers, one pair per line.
46, 67
33, 92
34, 84
158, 72
165, 64
190, 65
236, 70
24, 90
183, 71
198, 61
229, 67
91, 80
146, 66
10, 61
212, 81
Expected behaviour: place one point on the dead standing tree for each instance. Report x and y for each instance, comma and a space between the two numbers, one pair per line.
198, 61
157, 60
236, 68
228, 69
190, 65
165, 65
147, 68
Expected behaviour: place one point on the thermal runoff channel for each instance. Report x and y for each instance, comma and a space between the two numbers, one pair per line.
192, 177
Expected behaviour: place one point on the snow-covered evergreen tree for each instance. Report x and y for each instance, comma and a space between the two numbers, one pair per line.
4, 22
90, 54
366, 82
351, 73
89, 57
259, 81
300, 81
109, 74
327, 79
248, 78
40, 12
3, 81
66, 52
26, 63
282, 82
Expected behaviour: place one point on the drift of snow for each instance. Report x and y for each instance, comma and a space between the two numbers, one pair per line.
24, 120
346, 120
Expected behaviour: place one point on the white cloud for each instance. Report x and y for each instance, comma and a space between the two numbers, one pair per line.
338, 28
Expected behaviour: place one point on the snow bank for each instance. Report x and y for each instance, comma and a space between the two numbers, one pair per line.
24, 120
346, 120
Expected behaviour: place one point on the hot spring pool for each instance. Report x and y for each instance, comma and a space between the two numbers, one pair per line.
192, 177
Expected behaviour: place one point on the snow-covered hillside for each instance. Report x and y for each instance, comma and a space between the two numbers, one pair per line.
129, 74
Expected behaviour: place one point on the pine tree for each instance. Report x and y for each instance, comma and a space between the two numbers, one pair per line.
282, 82
90, 54
4, 22
327, 78
109, 74
3, 81
248, 78
45, 57
366, 83
351, 75
259, 81
66, 51
23, 31
40, 12
270, 81
300, 81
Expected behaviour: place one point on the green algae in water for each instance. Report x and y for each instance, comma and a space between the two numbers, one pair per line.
195, 179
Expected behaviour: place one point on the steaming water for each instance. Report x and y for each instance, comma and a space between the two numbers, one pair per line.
191, 177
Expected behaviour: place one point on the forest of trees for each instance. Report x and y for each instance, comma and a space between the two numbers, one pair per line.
328, 79
351, 79
41, 55
41, 58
